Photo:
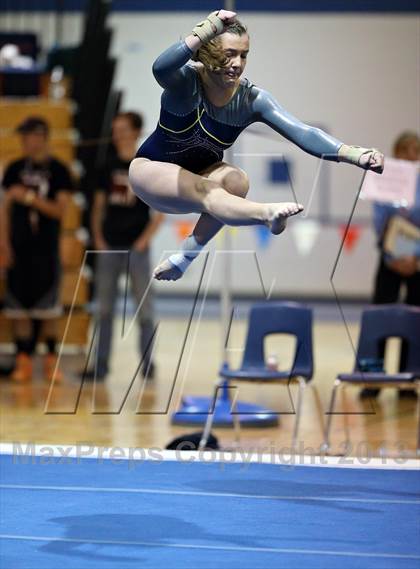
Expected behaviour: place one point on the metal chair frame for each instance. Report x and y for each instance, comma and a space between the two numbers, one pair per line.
398, 319
304, 380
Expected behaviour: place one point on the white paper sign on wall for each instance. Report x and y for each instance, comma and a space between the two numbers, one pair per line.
397, 184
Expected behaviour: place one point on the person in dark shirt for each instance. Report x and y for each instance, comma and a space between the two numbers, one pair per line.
394, 275
121, 222
35, 192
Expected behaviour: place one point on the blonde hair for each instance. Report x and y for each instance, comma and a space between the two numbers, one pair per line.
211, 54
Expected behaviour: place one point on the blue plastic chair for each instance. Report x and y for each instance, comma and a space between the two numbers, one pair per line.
273, 318
378, 324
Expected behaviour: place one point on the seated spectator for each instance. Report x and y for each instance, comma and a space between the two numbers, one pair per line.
35, 193
395, 274
122, 222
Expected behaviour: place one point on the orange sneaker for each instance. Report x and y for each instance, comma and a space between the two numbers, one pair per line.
50, 372
23, 369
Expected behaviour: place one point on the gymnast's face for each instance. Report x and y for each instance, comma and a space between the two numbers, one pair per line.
236, 50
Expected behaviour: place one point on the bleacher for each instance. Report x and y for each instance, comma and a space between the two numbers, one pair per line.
57, 113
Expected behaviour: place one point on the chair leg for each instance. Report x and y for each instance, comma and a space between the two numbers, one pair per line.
318, 404
346, 420
236, 419
326, 444
209, 421
302, 387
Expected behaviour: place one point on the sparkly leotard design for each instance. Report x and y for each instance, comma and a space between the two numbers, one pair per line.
193, 133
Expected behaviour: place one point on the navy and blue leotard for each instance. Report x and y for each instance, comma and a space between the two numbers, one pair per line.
193, 133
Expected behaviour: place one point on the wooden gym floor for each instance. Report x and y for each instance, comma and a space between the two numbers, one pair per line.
105, 415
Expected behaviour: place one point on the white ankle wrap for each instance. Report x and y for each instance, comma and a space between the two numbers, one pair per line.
189, 251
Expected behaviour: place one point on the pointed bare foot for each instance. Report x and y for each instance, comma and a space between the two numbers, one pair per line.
166, 271
278, 214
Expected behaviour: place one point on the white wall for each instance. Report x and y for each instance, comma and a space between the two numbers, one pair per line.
355, 75
358, 74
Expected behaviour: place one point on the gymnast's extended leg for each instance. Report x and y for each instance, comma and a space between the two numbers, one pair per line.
232, 179
172, 189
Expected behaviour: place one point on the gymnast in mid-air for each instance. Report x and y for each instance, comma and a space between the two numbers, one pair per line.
205, 105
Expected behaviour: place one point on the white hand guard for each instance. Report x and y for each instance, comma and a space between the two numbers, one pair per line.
361, 157
209, 28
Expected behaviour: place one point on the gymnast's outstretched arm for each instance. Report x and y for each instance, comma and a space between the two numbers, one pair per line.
311, 139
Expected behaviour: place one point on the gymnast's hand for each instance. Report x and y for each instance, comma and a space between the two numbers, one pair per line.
227, 18
366, 158
213, 25
373, 160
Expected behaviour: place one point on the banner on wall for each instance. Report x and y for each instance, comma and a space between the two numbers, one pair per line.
305, 233
351, 237
220, 238
263, 235
183, 229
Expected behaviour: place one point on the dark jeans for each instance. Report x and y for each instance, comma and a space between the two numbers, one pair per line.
388, 286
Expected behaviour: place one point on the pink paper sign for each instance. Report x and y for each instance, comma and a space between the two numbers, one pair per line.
397, 184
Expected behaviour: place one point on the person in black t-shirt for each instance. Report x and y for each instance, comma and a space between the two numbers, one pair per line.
122, 223
35, 192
